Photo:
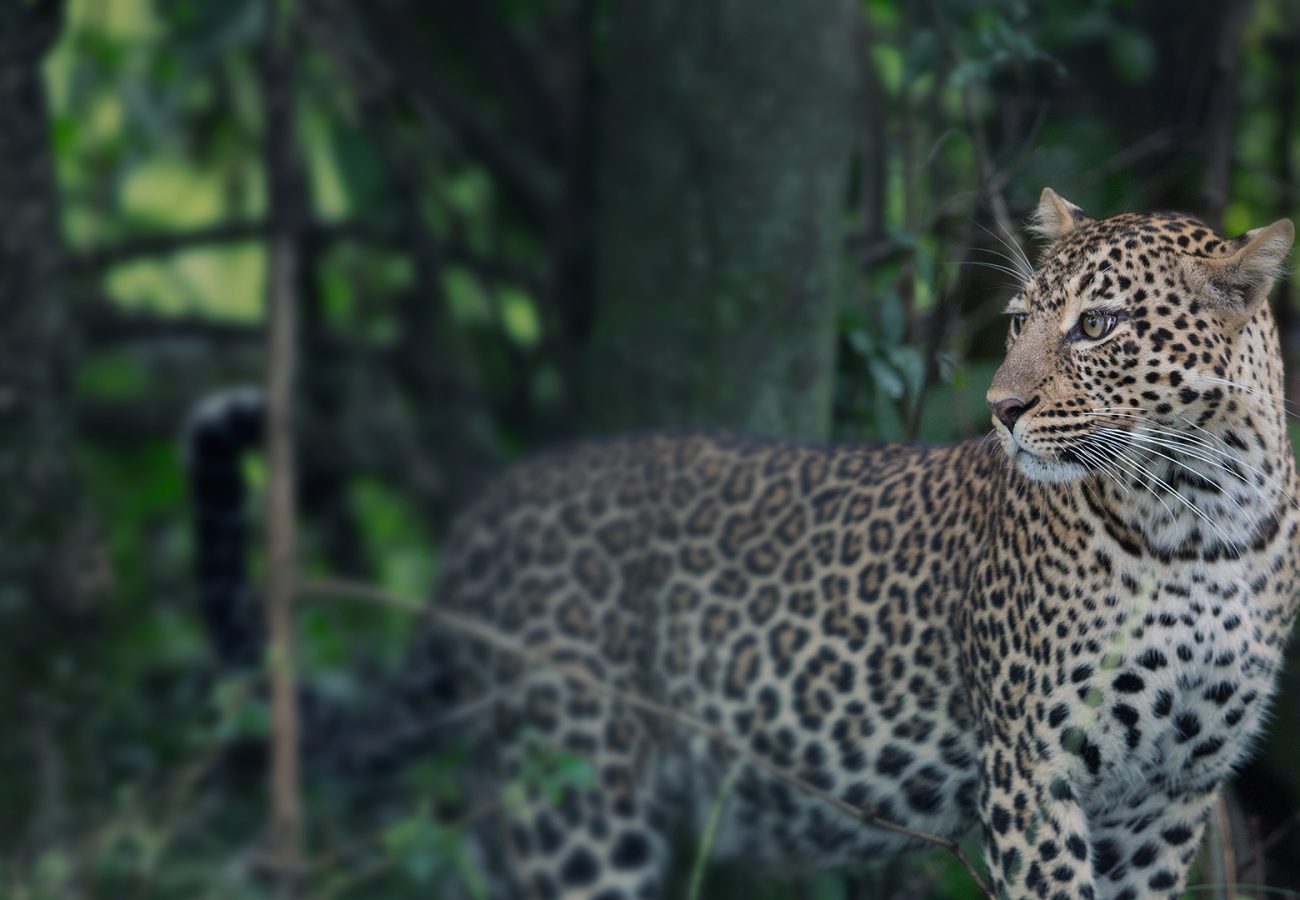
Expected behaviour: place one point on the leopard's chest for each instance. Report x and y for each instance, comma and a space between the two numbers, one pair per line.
1176, 696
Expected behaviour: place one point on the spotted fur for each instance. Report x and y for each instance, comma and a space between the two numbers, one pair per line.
1069, 641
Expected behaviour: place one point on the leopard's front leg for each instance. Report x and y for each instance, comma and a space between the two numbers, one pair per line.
1145, 848
1035, 831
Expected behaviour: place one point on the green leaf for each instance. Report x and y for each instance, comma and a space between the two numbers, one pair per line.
519, 316
862, 343
909, 362
886, 378
889, 64
469, 302
893, 323
241, 713
1132, 54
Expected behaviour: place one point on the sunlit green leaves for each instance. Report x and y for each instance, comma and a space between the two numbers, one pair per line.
360, 288
519, 317
329, 188
225, 282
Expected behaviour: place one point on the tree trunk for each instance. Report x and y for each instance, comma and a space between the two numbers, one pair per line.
46, 541
52, 565
728, 130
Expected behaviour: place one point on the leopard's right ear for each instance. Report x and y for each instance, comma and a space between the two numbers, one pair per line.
1055, 216
1240, 283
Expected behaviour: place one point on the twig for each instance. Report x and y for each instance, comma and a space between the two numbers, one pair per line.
991, 179
1274, 838
711, 833
105, 324
341, 589
1227, 852
97, 259
1256, 860
453, 249
281, 569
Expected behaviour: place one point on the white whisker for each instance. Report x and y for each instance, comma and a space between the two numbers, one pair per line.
1201, 449
1227, 541
1148, 447
1014, 246
1284, 406
1140, 476
1017, 275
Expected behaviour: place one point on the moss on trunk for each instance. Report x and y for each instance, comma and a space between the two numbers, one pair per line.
728, 133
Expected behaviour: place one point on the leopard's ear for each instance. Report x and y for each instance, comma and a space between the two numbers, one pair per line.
1239, 283
1055, 216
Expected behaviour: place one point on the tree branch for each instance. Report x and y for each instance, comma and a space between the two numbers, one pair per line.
281, 547
454, 250
476, 630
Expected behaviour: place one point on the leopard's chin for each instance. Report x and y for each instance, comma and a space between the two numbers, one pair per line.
1044, 469
1036, 467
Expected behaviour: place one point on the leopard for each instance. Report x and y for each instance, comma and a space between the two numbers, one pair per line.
1063, 636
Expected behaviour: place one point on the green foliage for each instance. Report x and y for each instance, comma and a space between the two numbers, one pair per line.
548, 772
424, 848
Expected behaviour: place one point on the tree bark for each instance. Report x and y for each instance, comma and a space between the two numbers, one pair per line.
49, 551
728, 128
1221, 108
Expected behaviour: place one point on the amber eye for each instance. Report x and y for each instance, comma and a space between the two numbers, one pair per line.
1017, 322
1094, 325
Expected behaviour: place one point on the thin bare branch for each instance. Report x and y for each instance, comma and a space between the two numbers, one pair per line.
1227, 861
282, 550
1274, 838
146, 246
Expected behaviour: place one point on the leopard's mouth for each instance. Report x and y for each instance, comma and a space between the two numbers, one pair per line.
1058, 469
1047, 469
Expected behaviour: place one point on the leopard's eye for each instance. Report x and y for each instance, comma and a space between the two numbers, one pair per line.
1017, 322
1096, 325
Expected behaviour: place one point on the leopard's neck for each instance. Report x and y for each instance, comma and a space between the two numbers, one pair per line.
1213, 484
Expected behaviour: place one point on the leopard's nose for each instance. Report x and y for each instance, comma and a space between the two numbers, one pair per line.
1011, 409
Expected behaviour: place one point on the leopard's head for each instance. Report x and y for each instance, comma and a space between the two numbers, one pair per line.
1137, 319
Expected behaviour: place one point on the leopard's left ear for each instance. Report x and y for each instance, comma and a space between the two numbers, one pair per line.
1241, 282
1055, 216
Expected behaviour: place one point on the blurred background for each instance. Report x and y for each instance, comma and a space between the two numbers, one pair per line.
516, 222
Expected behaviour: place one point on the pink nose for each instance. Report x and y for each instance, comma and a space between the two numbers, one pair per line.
1011, 409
